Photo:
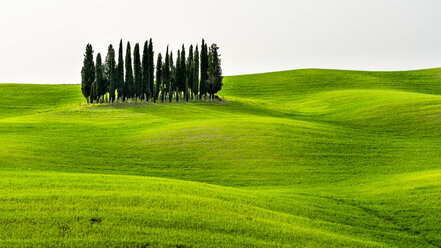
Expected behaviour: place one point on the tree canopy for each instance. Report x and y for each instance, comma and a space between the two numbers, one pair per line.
191, 76
87, 72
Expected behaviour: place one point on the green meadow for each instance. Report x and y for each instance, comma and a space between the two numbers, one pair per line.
303, 158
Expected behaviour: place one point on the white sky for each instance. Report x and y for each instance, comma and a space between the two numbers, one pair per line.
43, 41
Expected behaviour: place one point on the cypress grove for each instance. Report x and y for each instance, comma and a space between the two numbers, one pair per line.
187, 77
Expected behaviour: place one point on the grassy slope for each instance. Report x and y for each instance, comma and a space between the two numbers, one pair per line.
327, 158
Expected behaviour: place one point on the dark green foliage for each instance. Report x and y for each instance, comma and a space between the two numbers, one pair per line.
87, 72
93, 92
190, 65
195, 84
120, 72
199, 73
166, 73
151, 66
146, 71
170, 91
183, 71
172, 77
178, 75
137, 72
128, 86
186, 93
204, 69
105, 76
94, 88
100, 77
215, 77
98, 88
110, 72
158, 76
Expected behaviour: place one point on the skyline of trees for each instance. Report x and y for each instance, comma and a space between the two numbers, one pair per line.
190, 77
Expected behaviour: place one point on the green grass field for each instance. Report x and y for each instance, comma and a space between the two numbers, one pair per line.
309, 158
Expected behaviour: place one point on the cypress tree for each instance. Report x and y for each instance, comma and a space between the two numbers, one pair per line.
151, 66
106, 80
137, 72
158, 76
204, 69
202, 79
178, 75
195, 88
190, 73
166, 81
87, 72
215, 77
183, 75
172, 76
99, 85
146, 71
110, 72
128, 86
120, 72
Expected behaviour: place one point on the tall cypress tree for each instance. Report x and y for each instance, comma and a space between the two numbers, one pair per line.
195, 88
110, 72
166, 81
146, 71
183, 75
120, 71
215, 77
204, 69
178, 75
128, 86
137, 72
190, 73
106, 80
87, 72
151, 66
158, 76
172, 76
99, 85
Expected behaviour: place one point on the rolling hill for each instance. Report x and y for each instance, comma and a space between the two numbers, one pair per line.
313, 158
